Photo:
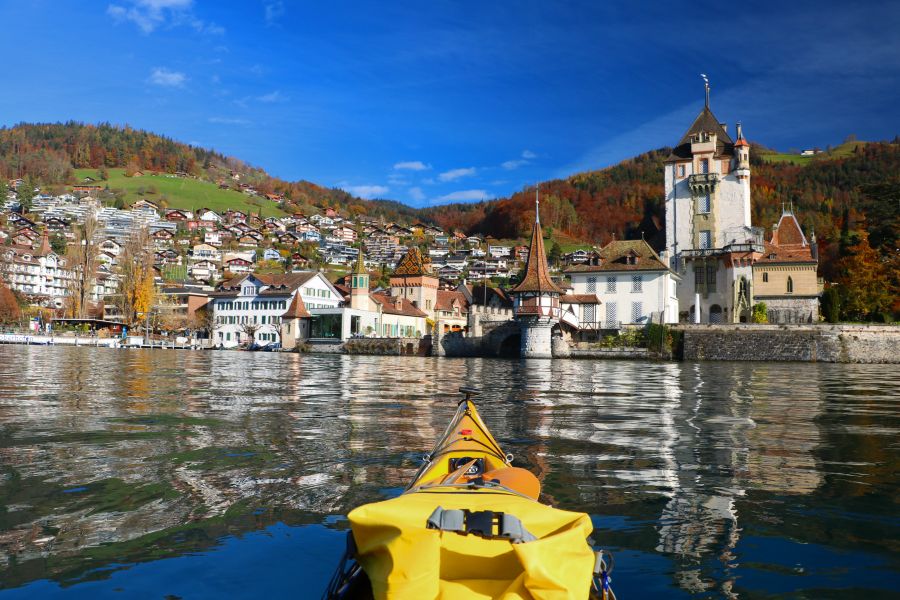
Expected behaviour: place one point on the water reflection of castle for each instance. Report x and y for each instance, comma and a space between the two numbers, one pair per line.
700, 437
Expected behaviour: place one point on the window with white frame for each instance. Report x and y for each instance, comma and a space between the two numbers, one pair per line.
706, 239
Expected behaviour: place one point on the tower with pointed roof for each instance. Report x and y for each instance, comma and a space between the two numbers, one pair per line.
359, 284
412, 279
710, 240
536, 297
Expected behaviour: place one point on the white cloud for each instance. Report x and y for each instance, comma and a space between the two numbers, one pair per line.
166, 78
454, 174
465, 196
273, 11
367, 191
514, 164
411, 165
416, 194
228, 121
272, 97
149, 15
528, 154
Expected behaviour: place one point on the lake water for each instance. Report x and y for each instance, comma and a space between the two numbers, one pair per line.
164, 474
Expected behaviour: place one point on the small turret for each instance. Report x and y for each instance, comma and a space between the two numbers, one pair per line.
742, 155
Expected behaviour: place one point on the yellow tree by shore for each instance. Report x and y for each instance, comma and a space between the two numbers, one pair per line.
83, 257
136, 277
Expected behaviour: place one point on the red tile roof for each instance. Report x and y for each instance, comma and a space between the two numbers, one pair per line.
297, 309
623, 255
445, 300
579, 299
397, 306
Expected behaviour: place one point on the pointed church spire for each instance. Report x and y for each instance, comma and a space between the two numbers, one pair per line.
537, 272
360, 266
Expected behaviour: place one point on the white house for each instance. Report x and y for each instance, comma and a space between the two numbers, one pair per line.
631, 283
255, 305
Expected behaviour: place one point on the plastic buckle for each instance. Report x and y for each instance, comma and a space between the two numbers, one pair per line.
481, 523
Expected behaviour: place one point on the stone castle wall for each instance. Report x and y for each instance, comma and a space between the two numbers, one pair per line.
809, 343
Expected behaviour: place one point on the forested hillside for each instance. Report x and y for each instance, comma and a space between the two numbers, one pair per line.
48, 154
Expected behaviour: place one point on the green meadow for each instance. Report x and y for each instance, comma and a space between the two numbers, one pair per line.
180, 192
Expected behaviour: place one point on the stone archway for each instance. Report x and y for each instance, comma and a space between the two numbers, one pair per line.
715, 314
511, 346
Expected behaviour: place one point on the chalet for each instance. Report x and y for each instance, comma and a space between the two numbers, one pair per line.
249, 239
271, 254
213, 238
87, 189
288, 238
25, 237
203, 270
144, 203
238, 265
205, 252
162, 237
175, 215
344, 233
274, 197
299, 261
166, 256
56, 224
111, 247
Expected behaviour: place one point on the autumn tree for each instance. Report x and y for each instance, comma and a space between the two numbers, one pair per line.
83, 259
136, 277
9, 307
867, 290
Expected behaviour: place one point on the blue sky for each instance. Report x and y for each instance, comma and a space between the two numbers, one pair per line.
430, 102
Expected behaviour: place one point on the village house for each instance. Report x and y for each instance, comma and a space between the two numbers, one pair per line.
250, 308
627, 282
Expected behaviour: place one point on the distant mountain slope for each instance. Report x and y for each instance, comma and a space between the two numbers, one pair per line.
50, 153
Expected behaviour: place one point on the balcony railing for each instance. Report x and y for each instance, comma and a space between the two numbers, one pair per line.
703, 179
730, 248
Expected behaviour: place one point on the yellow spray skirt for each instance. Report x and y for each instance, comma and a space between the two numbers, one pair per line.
403, 558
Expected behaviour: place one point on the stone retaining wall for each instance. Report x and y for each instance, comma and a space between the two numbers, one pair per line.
808, 343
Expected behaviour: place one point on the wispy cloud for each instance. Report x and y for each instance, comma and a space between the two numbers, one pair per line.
454, 174
416, 194
411, 165
273, 11
367, 191
228, 121
526, 157
272, 97
166, 78
149, 15
464, 196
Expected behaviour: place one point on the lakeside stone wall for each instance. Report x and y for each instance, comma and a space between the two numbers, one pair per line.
807, 343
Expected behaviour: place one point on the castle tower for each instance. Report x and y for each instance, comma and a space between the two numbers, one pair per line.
709, 238
413, 280
537, 298
359, 284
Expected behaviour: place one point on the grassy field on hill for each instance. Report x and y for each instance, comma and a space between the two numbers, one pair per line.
842, 151
181, 192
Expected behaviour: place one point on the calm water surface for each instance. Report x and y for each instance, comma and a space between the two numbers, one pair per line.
153, 474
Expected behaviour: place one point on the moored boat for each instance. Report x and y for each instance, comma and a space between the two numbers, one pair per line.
469, 525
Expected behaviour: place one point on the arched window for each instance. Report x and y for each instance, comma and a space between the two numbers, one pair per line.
790, 286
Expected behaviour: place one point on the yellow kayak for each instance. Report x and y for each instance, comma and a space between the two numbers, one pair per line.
469, 525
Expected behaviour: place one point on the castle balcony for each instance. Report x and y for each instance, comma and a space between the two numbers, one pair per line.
693, 253
702, 183
531, 310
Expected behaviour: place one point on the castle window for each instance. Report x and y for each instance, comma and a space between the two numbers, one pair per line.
591, 284
765, 277
704, 166
699, 278
611, 284
681, 170
636, 283
711, 278
790, 286
705, 202
706, 239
